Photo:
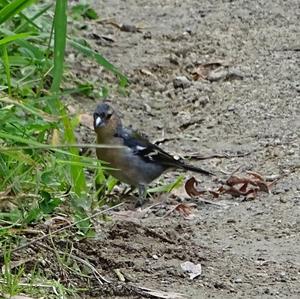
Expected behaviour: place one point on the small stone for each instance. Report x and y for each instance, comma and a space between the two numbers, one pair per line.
267, 291
278, 191
155, 256
238, 280
231, 221
174, 59
181, 82
189, 31
147, 35
282, 199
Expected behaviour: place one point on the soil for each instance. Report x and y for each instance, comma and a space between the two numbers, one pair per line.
246, 100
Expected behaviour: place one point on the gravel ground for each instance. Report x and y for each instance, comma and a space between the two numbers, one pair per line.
246, 99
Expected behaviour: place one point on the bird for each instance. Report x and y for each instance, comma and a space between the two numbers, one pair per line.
132, 158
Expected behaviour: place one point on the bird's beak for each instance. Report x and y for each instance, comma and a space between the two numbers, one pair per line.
98, 122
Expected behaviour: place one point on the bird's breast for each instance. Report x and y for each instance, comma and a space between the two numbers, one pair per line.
127, 167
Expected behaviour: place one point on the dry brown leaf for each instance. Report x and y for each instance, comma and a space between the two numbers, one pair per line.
235, 186
202, 71
57, 222
256, 175
191, 188
184, 209
55, 139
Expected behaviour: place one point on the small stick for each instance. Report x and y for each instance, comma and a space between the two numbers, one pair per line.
197, 156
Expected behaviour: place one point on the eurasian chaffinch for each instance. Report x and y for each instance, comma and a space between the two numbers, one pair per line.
137, 162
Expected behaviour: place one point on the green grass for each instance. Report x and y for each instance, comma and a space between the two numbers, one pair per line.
41, 171
33, 39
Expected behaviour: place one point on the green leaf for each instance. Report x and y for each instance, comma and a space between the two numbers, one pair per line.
91, 14
48, 204
33, 215
14, 37
60, 32
84, 10
168, 187
7, 69
35, 50
13, 8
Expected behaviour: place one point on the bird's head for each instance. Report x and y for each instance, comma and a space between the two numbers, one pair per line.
106, 119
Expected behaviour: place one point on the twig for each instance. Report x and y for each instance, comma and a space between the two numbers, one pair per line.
197, 156
98, 276
65, 227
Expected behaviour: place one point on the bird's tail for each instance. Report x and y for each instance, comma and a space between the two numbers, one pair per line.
196, 169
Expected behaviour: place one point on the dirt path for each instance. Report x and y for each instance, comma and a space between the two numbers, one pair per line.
248, 249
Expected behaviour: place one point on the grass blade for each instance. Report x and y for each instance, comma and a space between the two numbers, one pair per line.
13, 8
7, 69
60, 33
14, 37
36, 16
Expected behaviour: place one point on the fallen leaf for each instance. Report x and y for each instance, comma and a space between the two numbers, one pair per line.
57, 222
55, 139
247, 186
194, 270
235, 180
256, 175
191, 188
202, 71
244, 187
263, 186
185, 209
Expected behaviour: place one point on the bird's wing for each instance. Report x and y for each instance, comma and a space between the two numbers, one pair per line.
149, 152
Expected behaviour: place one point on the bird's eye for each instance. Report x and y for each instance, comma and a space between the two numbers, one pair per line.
109, 114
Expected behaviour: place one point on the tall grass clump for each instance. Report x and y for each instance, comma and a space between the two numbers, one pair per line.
40, 167
41, 171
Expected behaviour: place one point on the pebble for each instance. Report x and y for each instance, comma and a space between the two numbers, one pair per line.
147, 35
231, 221
282, 199
174, 59
181, 82
238, 280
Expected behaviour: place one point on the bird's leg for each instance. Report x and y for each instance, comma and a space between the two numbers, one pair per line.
142, 195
